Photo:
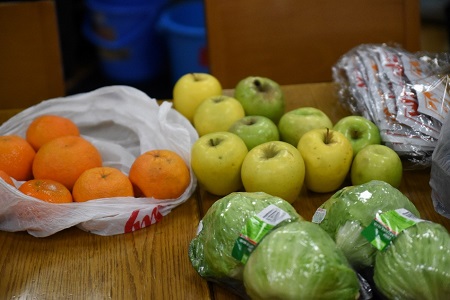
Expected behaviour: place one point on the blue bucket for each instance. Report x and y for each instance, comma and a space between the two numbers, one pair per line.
129, 47
183, 26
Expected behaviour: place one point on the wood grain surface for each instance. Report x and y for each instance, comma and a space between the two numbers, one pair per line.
151, 263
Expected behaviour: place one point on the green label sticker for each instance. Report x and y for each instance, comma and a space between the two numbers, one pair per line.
378, 235
386, 226
243, 247
255, 229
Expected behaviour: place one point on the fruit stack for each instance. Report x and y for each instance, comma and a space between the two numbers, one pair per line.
60, 166
248, 141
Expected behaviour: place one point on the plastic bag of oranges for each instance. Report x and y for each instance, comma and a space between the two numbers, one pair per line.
122, 123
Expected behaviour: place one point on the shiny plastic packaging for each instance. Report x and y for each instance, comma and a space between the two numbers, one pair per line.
121, 122
405, 94
213, 251
350, 210
440, 172
416, 265
299, 261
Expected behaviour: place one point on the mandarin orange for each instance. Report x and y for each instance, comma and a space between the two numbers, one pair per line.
48, 127
46, 190
6, 178
65, 158
161, 174
102, 182
16, 157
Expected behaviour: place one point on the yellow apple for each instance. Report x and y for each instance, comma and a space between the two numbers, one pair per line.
216, 159
328, 156
217, 113
276, 168
193, 88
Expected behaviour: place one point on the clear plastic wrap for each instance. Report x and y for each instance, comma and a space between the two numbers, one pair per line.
236, 225
405, 94
416, 265
346, 213
211, 251
300, 261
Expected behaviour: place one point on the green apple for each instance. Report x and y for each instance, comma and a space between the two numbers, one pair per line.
191, 89
377, 162
216, 159
295, 123
328, 157
255, 130
217, 113
276, 168
360, 131
261, 96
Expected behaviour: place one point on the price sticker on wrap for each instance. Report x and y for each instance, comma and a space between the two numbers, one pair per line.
255, 229
387, 226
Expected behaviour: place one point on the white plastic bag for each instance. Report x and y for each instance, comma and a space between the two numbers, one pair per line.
122, 122
440, 172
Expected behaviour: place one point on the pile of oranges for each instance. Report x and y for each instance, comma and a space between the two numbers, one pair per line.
56, 164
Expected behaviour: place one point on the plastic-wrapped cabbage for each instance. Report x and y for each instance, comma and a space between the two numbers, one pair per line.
299, 261
351, 209
416, 265
210, 252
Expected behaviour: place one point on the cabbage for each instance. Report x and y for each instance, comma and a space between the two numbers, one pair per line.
299, 261
416, 265
210, 252
353, 208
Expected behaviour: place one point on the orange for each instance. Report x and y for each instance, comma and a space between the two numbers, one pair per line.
48, 127
161, 174
6, 178
102, 182
64, 159
16, 157
46, 190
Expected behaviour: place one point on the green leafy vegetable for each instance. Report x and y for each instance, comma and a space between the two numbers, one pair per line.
353, 208
299, 261
416, 265
210, 252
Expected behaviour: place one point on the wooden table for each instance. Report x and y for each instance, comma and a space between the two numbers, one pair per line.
152, 263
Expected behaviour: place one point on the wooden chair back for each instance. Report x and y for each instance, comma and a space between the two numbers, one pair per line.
298, 41
30, 58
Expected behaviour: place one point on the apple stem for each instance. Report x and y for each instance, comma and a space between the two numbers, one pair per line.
196, 78
250, 121
258, 85
355, 134
327, 136
270, 151
214, 142
219, 99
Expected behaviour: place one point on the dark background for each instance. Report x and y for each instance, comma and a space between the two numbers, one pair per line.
83, 73
82, 70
